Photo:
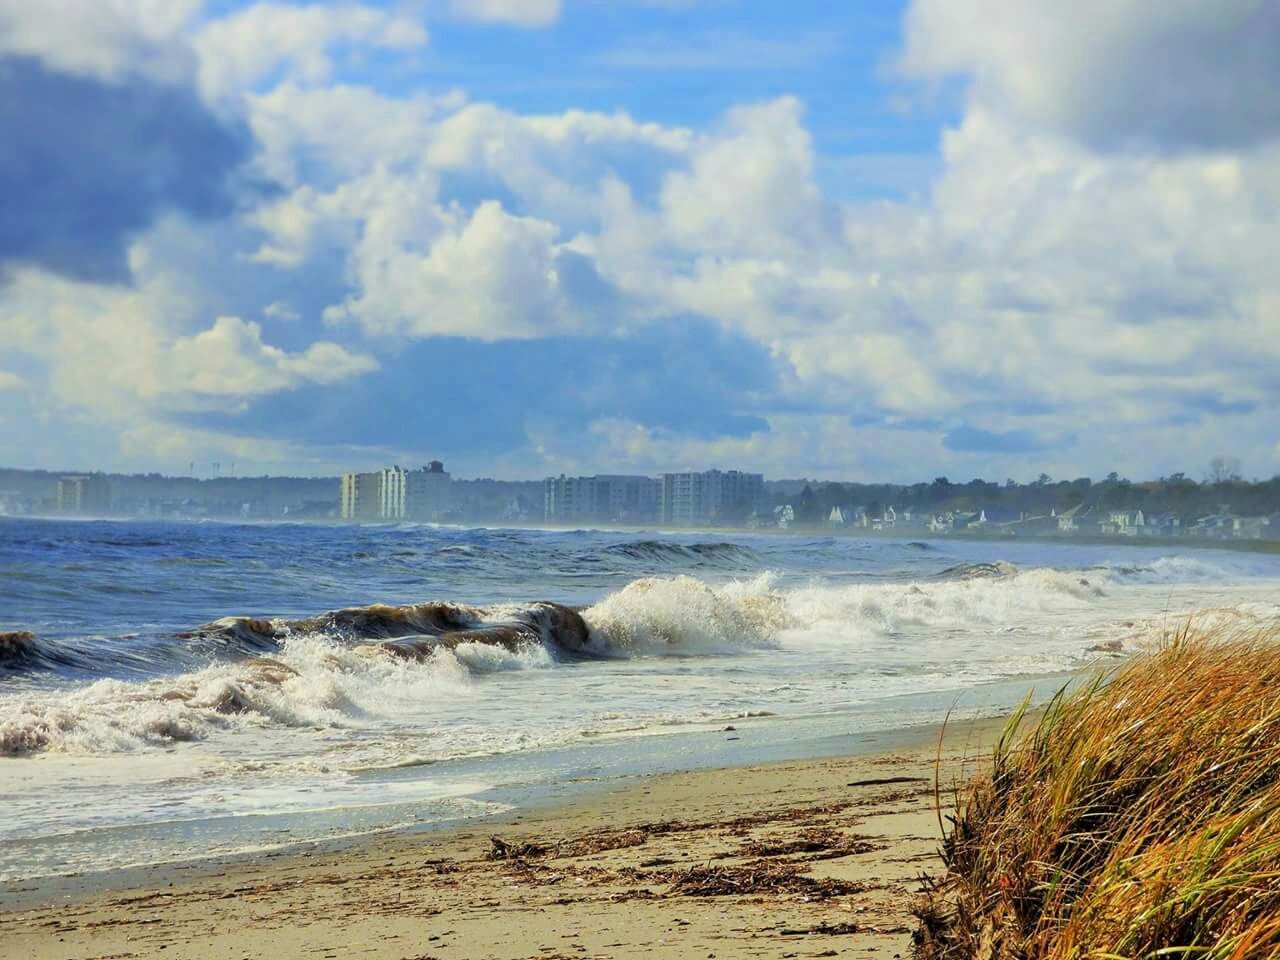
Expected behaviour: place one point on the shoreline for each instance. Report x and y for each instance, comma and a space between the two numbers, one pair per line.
1266, 546
553, 779
730, 858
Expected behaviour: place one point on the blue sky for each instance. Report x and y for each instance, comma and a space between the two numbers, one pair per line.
855, 241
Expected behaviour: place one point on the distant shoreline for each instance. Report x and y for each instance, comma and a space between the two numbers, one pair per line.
1267, 546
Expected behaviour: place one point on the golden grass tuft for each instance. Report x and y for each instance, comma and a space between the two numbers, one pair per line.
1138, 817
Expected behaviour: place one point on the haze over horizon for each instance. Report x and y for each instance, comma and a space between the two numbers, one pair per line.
528, 237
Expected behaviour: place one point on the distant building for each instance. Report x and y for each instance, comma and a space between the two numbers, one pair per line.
84, 494
13, 503
1069, 520
1124, 523
428, 492
362, 496
710, 497
606, 498
394, 493
886, 521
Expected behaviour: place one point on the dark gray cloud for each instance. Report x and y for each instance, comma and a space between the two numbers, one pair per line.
88, 164
1206, 80
1176, 76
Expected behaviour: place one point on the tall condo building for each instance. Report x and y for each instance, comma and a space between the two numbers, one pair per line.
709, 497
394, 493
84, 493
606, 498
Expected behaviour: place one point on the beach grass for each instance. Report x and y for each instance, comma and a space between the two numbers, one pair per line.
1137, 817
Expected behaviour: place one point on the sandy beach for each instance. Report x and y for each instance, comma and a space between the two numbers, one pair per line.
811, 858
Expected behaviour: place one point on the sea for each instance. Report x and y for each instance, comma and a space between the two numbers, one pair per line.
172, 692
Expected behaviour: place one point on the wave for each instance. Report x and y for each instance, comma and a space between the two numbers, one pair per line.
352, 666
685, 616
977, 571
1172, 569
696, 554
21, 649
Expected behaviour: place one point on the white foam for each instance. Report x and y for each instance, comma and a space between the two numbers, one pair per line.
682, 615
1035, 619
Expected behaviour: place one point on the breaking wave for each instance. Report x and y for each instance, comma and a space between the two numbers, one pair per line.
341, 668
1173, 569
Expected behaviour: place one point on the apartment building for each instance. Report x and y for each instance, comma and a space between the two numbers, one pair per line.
362, 496
84, 494
709, 497
606, 498
394, 493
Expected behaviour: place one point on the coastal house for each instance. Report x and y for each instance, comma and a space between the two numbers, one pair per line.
1030, 524
886, 521
964, 521
1123, 523
784, 516
1214, 526
1073, 518
1164, 525
1250, 528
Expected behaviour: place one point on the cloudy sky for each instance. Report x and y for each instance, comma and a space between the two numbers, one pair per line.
869, 240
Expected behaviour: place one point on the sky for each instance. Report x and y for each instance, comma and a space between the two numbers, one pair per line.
863, 241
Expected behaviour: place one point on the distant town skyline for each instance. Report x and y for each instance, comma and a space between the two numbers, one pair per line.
883, 240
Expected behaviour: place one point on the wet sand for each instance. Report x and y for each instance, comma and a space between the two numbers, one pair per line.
815, 858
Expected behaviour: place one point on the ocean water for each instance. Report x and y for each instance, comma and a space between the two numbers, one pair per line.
175, 690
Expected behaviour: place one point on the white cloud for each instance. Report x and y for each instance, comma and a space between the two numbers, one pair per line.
749, 187
322, 136
239, 50
124, 354
280, 310
230, 359
1049, 284
520, 13
10, 382
489, 276
1045, 287
106, 39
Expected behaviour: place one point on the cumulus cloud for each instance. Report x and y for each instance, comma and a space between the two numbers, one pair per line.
105, 39
1179, 74
230, 359
749, 188
119, 352
489, 275
237, 51
1093, 261
10, 382
1042, 276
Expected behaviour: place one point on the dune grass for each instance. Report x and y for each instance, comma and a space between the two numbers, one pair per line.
1139, 816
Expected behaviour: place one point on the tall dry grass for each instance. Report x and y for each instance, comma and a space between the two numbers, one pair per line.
1139, 816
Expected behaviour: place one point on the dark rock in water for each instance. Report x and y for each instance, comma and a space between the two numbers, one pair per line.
17, 644
415, 631
977, 571
17, 639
